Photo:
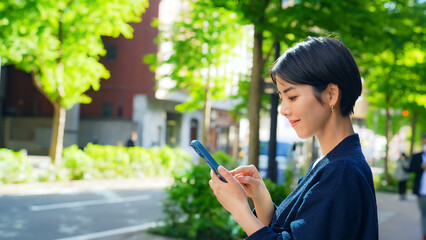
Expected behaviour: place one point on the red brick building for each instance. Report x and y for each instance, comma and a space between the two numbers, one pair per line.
21, 102
129, 75
124, 103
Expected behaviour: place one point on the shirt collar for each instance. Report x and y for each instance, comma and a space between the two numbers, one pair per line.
350, 142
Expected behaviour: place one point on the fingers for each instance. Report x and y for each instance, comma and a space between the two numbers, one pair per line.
213, 176
213, 180
225, 173
239, 175
247, 170
246, 180
211, 183
241, 178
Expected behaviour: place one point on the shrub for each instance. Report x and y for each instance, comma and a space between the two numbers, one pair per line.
224, 159
100, 162
380, 183
95, 162
77, 162
15, 167
192, 211
109, 161
280, 192
379, 179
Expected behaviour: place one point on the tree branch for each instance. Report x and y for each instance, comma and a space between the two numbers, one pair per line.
38, 85
264, 60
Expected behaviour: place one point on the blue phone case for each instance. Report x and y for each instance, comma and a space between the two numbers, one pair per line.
202, 152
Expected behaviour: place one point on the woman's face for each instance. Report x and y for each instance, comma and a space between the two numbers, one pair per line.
298, 104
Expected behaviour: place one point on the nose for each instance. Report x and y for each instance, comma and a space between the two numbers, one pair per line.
285, 110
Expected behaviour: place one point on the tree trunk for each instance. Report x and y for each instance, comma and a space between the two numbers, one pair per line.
388, 138
413, 133
236, 142
57, 139
59, 114
255, 93
206, 113
58, 123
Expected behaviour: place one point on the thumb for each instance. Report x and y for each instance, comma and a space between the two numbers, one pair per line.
246, 180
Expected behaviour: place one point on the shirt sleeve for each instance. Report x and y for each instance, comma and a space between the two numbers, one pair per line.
331, 209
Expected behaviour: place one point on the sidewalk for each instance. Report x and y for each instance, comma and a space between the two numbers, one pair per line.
398, 220
39, 188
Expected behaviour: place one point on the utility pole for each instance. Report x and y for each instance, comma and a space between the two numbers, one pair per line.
272, 153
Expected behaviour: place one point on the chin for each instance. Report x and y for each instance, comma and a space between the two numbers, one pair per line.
304, 135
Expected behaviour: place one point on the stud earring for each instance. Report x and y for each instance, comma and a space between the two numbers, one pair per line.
332, 108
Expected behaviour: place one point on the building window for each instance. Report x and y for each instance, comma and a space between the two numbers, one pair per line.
111, 52
107, 109
223, 139
173, 125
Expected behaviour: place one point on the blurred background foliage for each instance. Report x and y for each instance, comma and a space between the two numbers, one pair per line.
95, 162
387, 39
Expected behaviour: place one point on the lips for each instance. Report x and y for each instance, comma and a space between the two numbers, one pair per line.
294, 122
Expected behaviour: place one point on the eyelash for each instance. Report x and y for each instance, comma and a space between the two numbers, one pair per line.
290, 98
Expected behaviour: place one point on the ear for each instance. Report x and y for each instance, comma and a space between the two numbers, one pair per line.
332, 94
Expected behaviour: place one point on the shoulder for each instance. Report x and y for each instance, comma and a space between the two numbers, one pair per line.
417, 156
350, 159
347, 170
347, 167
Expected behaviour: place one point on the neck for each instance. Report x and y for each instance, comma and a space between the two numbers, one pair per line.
336, 130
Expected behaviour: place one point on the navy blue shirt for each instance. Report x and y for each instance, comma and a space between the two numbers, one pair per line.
334, 200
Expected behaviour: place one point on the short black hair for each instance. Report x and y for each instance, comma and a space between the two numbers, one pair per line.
319, 61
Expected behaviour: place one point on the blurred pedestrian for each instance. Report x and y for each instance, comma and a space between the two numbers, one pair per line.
318, 82
131, 142
418, 166
401, 175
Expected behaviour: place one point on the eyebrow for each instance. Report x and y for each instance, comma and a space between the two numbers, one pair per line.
288, 89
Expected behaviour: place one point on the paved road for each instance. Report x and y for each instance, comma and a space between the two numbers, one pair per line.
81, 210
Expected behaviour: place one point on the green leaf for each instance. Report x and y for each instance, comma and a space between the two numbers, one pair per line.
30, 39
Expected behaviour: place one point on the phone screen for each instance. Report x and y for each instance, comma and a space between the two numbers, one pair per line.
204, 154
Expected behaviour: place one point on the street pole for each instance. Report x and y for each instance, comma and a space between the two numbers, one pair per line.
272, 153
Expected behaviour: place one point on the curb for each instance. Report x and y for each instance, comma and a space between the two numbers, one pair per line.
40, 188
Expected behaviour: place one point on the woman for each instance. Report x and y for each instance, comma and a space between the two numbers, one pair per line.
318, 82
401, 175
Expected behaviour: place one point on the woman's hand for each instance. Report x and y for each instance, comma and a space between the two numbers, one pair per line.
253, 183
251, 180
233, 198
231, 195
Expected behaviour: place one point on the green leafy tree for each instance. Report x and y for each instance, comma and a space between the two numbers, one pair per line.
356, 22
395, 76
59, 43
203, 39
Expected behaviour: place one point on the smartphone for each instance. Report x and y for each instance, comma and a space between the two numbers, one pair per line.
202, 152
